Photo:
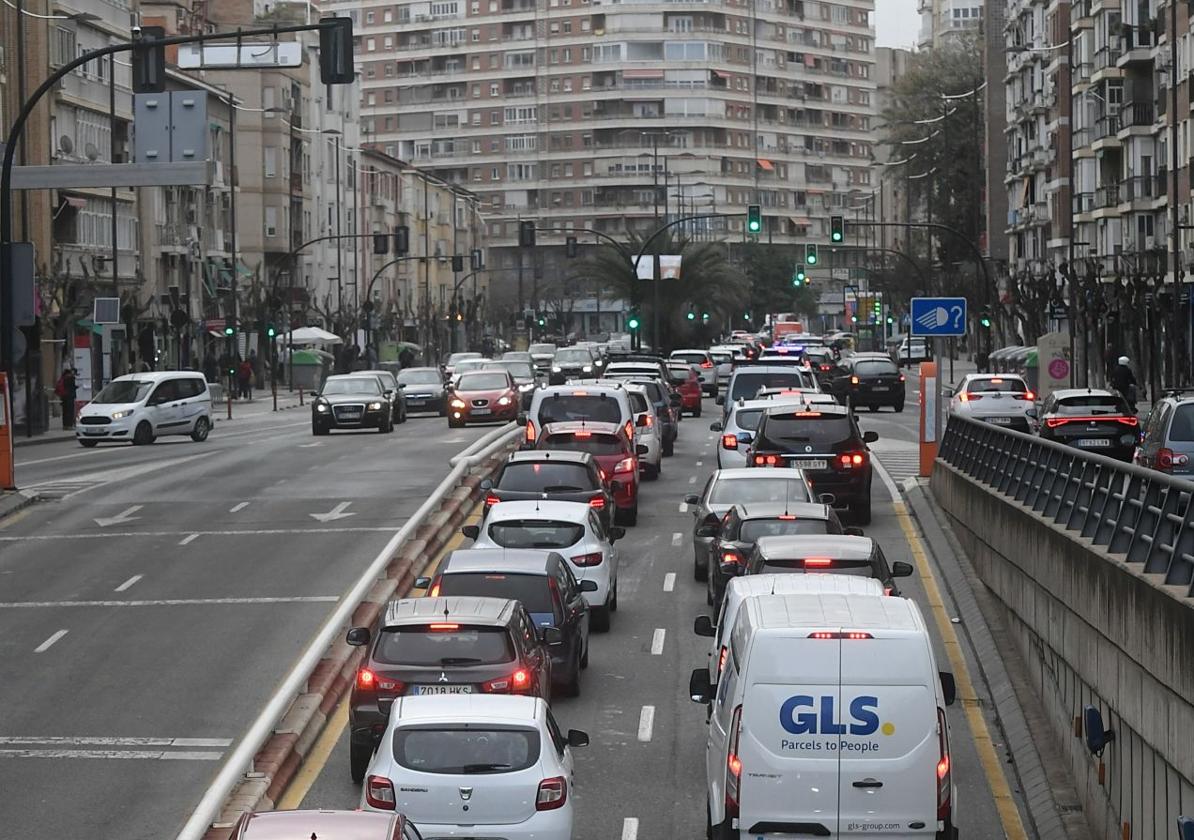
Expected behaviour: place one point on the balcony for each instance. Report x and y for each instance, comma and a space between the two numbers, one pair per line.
1140, 188
1083, 203
296, 182
1137, 115
1106, 57
1135, 44
1106, 197
1106, 129
1083, 137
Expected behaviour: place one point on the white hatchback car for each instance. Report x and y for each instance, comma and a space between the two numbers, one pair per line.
1002, 399
476, 766
702, 360
140, 407
570, 528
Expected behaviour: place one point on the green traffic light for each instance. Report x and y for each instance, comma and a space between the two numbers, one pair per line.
745, 316
986, 322
754, 218
691, 315
632, 323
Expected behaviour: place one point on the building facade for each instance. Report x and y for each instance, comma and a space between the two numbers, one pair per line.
940, 19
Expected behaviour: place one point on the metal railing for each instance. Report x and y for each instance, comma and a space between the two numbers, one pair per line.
1144, 515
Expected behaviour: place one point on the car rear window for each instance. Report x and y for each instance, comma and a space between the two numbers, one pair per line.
1092, 404
748, 420
752, 529
444, 643
531, 590
679, 375
597, 444
877, 367
746, 385
535, 533
1182, 427
545, 477
573, 356
998, 385
638, 403
762, 489
462, 751
572, 407
691, 358
778, 431
722, 358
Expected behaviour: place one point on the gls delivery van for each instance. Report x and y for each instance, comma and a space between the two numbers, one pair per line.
829, 721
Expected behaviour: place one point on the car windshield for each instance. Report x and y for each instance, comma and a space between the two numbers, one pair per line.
1092, 404
531, 590
997, 385
748, 384
574, 355
780, 431
427, 376
470, 364
518, 369
351, 385
546, 477
679, 375
482, 382
535, 533
456, 358
748, 419
576, 406
465, 750
752, 529
746, 490
123, 391
596, 443
876, 367
542, 349
444, 643
819, 355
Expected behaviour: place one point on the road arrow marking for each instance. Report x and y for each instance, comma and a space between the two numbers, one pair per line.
335, 513
125, 515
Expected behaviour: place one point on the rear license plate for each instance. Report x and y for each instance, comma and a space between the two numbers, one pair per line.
807, 464
880, 388
1095, 442
443, 689
1000, 421
480, 411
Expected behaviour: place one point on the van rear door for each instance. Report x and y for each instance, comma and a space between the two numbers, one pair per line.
789, 743
890, 749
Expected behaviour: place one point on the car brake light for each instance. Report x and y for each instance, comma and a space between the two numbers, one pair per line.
721, 658
582, 434
530, 431
597, 502
767, 460
1167, 459
580, 393
706, 364
517, 683
366, 680
1027, 395
943, 776
851, 459
1129, 421
491, 500
731, 557
820, 562
850, 635
1054, 422
591, 559
733, 764
444, 627
902, 377
729, 441
553, 793
830, 367
625, 465
786, 517
379, 793
966, 396
853, 380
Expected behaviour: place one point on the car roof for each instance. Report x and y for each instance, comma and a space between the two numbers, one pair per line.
782, 584
605, 389
689, 350
466, 708
764, 367
324, 823
577, 512
837, 546
157, 375
521, 560
748, 472
770, 510
826, 611
414, 369
972, 377
1061, 393
537, 456
475, 610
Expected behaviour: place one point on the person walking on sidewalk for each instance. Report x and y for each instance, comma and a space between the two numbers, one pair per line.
1124, 381
244, 379
67, 390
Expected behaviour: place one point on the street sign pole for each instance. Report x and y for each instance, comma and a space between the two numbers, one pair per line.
937, 318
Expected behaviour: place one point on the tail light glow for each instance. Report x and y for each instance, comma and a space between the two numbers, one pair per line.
768, 461
731, 557
625, 465
1027, 395
1167, 459
529, 437
966, 397
582, 435
706, 365
379, 793
553, 793
629, 428
786, 517
721, 658
366, 680
818, 562
597, 502
848, 460
853, 380
491, 500
587, 560
517, 683
443, 627
849, 635
734, 764
944, 785
729, 441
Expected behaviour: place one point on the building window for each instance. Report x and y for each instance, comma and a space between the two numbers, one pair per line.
369, 18
271, 221
270, 161
370, 44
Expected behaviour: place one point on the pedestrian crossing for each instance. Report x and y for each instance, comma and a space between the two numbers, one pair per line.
53, 491
901, 459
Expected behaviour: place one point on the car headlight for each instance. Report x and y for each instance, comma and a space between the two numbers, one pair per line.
120, 415
504, 401
374, 406
321, 408
556, 369
587, 368
458, 404
530, 386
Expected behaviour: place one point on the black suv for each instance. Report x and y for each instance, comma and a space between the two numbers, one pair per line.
542, 582
872, 381
443, 646
826, 444
841, 555
555, 475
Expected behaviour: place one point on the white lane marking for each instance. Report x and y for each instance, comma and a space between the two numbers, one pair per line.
646, 723
120, 518
683, 507
676, 538
187, 540
700, 463
338, 512
157, 755
238, 508
163, 602
630, 828
269, 433
129, 583
309, 445
657, 640
44, 646
279, 482
94, 741
692, 479
669, 581
261, 532
886, 479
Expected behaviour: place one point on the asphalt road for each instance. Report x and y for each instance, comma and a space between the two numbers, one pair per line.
639, 781
151, 607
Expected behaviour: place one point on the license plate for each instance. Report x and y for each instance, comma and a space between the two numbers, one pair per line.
443, 689
1000, 421
880, 388
93, 431
349, 415
409, 401
807, 464
480, 411
1095, 442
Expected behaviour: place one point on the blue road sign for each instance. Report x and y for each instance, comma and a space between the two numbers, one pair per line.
939, 317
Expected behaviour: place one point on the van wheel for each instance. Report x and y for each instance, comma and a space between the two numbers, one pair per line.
613, 599
201, 430
722, 831
668, 447
697, 412
143, 436
358, 760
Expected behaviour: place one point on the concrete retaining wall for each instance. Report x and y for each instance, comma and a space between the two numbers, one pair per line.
1092, 630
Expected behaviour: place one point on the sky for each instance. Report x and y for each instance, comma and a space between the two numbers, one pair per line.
897, 22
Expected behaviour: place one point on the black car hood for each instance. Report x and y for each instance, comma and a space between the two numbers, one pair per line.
342, 399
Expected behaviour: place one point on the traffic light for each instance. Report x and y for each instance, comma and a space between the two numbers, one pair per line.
381, 244
704, 317
457, 263
754, 219
149, 63
837, 229
229, 329
542, 321
633, 323
570, 247
271, 331
691, 314
890, 320
799, 278
745, 316
853, 319
810, 253
336, 65
985, 318
401, 240
526, 234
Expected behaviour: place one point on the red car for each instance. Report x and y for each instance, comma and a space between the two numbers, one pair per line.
687, 381
616, 457
482, 396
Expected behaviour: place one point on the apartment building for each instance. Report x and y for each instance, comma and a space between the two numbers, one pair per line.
614, 115
894, 202
942, 19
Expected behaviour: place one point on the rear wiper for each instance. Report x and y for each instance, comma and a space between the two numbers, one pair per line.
562, 488
482, 768
545, 545
460, 660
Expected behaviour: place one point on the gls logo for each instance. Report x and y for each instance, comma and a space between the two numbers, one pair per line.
862, 710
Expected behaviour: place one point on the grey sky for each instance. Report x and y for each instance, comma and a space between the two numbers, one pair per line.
897, 22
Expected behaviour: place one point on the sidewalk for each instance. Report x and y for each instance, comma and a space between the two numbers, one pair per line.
13, 500
260, 407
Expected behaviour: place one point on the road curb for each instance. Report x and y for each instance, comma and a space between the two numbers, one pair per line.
280, 758
17, 500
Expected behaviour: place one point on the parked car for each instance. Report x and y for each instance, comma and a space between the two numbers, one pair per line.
141, 407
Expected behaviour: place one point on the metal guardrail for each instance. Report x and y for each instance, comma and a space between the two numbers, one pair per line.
1144, 515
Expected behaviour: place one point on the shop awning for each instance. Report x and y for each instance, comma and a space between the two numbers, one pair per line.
77, 203
721, 74
765, 164
642, 73
800, 221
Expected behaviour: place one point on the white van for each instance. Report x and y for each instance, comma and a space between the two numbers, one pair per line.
140, 407
829, 721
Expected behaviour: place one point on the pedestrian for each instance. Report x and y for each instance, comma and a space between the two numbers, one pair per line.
370, 356
244, 379
67, 390
406, 358
211, 368
1123, 380
1109, 358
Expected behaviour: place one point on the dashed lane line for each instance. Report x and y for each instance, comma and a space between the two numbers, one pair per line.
163, 602
669, 581
95, 741
128, 583
692, 479
261, 532
677, 536
657, 640
48, 643
188, 539
646, 723
158, 755
238, 508
630, 828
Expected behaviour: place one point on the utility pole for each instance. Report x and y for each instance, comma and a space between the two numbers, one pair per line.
339, 242
1176, 377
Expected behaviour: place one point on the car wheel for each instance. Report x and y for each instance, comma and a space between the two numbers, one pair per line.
699, 573
443, 410
143, 436
584, 657
899, 407
861, 511
630, 517
87, 443
599, 619
668, 448
613, 601
650, 472
455, 424
697, 412
319, 429
572, 687
358, 760
402, 415
201, 431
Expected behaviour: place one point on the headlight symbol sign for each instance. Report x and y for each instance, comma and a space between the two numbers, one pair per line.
939, 317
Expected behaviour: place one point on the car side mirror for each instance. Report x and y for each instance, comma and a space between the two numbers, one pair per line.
485, 485
692, 499
870, 437
708, 529
730, 570
358, 636
901, 569
521, 419
1097, 737
720, 400
949, 688
641, 421
552, 636
401, 386
577, 738
676, 400
829, 499
587, 585
699, 687
703, 626
616, 533
745, 438
389, 392
422, 583
471, 531
641, 449
716, 427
